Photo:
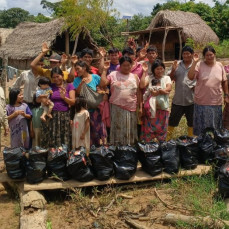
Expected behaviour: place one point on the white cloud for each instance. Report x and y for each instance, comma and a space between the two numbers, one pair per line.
125, 7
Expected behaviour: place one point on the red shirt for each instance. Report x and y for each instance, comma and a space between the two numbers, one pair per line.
93, 70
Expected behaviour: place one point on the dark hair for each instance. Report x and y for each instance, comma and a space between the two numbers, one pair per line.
156, 64
86, 51
152, 48
80, 103
125, 58
14, 92
113, 50
56, 70
35, 103
43, 81
128, 50
187, 49
155, 81
139, 48
83, 64
208, 49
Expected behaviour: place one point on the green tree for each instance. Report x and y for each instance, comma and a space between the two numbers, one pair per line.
12, 17
139, 22
51, 7
40, 18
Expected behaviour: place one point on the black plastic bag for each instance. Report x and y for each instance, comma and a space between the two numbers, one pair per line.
56, 162
221, 136
149, 155
224, 180
206, 144
125, 162
36, 165
78, 165
221, 153
102, 162
189, 152
15, 160
170, 157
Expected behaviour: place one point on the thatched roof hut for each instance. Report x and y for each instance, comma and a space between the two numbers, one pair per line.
4, 33
25, 42
172, 28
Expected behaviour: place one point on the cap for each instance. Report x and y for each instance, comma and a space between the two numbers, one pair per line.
55, 58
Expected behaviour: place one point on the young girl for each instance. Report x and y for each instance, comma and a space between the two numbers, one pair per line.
18, 114
80, 122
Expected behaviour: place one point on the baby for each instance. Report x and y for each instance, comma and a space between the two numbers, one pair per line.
44, 91
151, 102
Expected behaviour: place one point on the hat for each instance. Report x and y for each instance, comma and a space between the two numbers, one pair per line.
55, 58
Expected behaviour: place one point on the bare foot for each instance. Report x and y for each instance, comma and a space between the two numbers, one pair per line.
49, 115
43, 119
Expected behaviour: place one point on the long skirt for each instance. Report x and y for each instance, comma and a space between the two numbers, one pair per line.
98, 132
155, 127
226, 116
123, 126
206, 116
56, 131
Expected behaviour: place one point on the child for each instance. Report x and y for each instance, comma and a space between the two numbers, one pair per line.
150, 102
18, 114
44, 93
37, 111
80, 122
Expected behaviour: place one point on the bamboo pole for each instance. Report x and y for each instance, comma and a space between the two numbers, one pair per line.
163, 44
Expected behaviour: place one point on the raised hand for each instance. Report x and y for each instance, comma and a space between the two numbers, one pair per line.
142, 53
64, 58
196, 57
131, 43
147, 45
44, 47
62, 92
106, 65
175, 65
74, 59
145, 67
102, 51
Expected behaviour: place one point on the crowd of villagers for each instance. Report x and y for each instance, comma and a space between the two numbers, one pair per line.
124, 100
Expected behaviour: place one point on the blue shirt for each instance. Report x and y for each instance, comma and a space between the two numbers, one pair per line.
93, 84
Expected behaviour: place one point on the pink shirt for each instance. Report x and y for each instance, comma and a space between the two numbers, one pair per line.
208, 90
123, 90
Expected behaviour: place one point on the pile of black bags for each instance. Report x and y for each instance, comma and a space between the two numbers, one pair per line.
210, 147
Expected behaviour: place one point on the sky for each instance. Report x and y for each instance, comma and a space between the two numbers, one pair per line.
125, 7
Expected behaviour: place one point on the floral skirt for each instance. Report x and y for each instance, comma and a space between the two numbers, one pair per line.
206, 116
98, 130
56, 131
155, 127
123, 126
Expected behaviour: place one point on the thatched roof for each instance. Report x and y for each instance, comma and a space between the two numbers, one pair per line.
193, 25
4, 33
26, 40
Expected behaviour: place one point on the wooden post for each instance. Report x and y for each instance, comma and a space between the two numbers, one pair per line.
163, 44
180, 42
67, 42
75, 45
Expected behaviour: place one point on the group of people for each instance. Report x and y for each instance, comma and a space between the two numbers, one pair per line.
124, 100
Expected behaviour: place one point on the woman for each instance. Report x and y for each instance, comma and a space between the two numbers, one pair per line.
155, 125
57, 130
125, 99
97, 128
211, 82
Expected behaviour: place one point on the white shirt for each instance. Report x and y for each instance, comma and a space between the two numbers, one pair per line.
30, 83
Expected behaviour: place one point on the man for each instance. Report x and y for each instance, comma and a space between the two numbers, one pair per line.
29, 79
55, 61
183, 103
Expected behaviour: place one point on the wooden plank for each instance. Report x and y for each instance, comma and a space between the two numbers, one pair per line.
139, 176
